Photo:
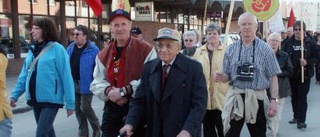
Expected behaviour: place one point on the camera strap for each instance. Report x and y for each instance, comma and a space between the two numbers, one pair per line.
253, 44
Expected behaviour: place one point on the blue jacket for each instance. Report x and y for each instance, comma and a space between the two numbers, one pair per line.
54, 82
87, 64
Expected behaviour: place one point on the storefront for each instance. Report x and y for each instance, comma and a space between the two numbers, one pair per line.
16, 18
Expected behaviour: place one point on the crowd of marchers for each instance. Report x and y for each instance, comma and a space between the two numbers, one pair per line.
179, 87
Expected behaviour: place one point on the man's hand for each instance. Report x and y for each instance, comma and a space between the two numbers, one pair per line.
303, 62
114, 94
13, 103
127, 128
218, 76
184, 133
69, 112
122, 101
272, 111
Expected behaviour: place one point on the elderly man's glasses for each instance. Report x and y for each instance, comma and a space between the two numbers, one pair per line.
188, 40
163, 46
76, 34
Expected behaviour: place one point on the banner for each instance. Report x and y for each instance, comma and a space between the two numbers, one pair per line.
262, 9
275, 23
309, 13
144, 11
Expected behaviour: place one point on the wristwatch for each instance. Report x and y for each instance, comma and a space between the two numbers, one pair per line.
121, 92
275, 99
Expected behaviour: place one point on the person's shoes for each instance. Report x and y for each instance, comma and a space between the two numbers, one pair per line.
301, 125
293, 121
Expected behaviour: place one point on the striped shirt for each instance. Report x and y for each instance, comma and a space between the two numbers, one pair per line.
265, 64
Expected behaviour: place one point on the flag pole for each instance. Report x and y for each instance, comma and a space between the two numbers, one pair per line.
265, 30
204, 16
302, 46
228, 22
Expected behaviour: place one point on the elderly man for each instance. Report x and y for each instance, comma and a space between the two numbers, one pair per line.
251, 67
172, 95
117, 72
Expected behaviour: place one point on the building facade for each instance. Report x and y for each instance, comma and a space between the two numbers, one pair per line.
16, 18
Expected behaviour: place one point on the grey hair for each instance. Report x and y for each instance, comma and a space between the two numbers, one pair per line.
275, 35
190, 33
213, 26
253, 17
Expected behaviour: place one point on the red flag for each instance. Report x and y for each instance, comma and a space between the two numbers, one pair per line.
291, 19
96, 6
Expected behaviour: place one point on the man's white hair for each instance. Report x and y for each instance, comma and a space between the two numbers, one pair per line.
253, 17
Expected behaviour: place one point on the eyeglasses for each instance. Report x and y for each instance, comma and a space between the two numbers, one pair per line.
77, 34
35, 28
186, 40
162, 46
297, 29
274, 40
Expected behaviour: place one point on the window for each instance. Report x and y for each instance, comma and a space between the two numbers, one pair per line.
33, 1
52, 2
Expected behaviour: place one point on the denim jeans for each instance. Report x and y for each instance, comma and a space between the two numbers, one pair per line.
5, 128
45, 117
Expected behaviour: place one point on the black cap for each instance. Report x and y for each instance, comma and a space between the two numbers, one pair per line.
135, 30
117, 13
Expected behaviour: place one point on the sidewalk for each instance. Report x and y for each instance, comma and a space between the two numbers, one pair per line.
21, 103
286, 130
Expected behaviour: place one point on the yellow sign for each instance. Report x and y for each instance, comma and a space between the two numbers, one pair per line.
120, 4
263, 9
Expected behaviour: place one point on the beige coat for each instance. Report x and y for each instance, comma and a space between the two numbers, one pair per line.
5, 109
216, 90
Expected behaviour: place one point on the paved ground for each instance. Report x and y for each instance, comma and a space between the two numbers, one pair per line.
21, 104
286, 130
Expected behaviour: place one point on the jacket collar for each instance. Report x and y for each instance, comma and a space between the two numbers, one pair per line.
157, 64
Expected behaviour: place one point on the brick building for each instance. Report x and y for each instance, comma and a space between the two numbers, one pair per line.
16, 17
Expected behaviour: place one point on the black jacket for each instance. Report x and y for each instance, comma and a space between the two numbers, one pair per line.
287, 71
182, 104
310, 55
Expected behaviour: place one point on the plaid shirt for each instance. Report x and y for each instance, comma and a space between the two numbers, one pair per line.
265, 64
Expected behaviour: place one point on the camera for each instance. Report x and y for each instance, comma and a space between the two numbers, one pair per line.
245, 72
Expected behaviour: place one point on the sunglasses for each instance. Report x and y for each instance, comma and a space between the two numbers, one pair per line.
76, 34
297, 29
186, 40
